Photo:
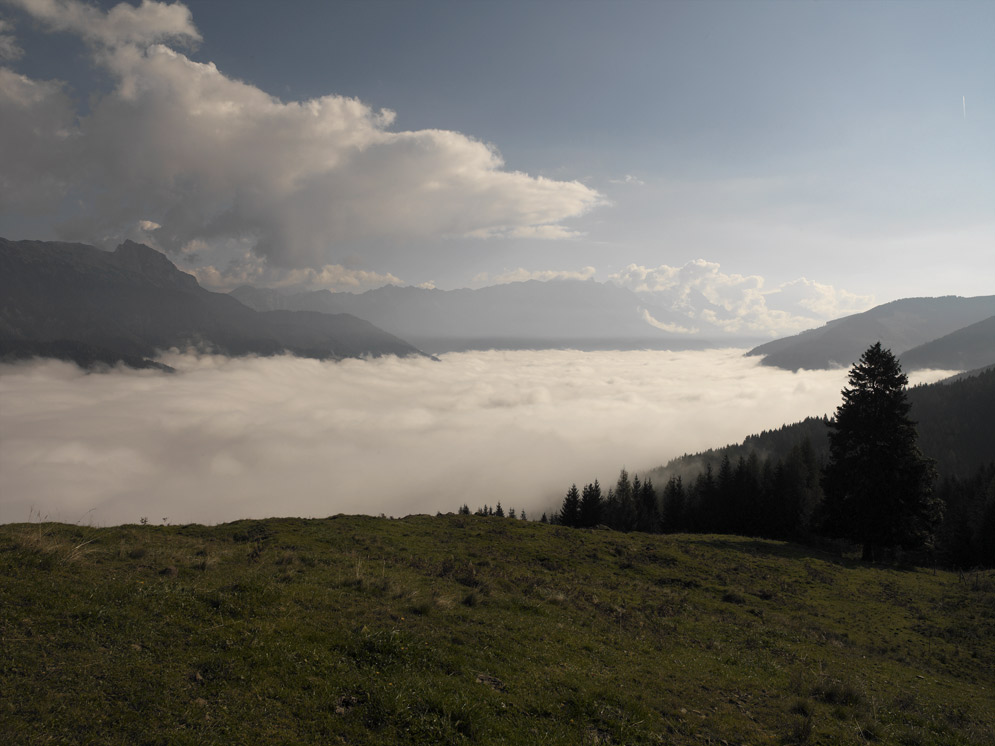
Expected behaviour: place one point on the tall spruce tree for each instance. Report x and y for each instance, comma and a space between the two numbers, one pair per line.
878, 486
570, 511
590, 505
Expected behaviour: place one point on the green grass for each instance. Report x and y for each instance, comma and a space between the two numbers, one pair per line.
464, 629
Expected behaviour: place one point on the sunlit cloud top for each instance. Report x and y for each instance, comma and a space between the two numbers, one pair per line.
204, 158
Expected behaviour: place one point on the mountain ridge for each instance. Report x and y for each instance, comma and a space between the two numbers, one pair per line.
69, 298
901, 326
580, 314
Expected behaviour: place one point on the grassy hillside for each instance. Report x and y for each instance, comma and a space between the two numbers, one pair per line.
467, 629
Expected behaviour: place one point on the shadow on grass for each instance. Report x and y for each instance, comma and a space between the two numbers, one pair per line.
795, 551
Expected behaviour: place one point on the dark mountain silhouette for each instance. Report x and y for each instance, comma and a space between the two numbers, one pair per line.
965, 349
77, 302
900, 326
532, 314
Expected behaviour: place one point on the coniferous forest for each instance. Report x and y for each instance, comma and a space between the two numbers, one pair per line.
772, 484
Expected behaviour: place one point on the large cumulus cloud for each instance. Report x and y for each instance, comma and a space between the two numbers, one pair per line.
195, 158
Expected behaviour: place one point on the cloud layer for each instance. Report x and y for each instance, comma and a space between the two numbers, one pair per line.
738, 304
235, 438
192, 158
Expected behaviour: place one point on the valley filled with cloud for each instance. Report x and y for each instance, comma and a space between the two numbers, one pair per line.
230, 438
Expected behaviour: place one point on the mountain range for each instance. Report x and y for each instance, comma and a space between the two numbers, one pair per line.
949, 332
579, 314
77, 302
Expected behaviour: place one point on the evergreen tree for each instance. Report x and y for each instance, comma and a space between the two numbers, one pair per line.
570, 512
967, 537
674, 498
590, 505
498, 511
623, 515
725, 510
703, 503
647, 507
878, 485
747, 518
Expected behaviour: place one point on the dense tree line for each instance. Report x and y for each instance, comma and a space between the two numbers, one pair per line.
956, 422
967, 536
777, 443
771, 498
631, 505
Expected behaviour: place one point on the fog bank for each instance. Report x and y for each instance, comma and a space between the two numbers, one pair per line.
247, 438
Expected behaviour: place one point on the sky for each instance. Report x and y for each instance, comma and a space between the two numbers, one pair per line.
230, 438
829, 155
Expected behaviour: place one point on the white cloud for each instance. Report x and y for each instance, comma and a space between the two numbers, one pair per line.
668, 326
38, 147
818, 299
236, 438
230, 438
738, 304
123, 24
9, 48
252, 270
628, 179
543, 275
213, 159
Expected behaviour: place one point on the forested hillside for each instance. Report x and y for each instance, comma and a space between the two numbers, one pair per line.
770, 485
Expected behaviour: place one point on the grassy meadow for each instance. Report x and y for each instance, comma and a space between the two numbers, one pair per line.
468, 629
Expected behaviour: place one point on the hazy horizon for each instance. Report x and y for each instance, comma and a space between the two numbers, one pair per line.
231, 438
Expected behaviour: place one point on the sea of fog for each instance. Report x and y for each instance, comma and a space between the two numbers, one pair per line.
224, 439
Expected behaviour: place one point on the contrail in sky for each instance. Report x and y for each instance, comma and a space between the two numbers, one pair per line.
963, 101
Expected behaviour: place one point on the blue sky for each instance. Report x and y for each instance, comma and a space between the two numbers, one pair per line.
805, 159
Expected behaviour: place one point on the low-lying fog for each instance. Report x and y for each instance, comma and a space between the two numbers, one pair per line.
246, 438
